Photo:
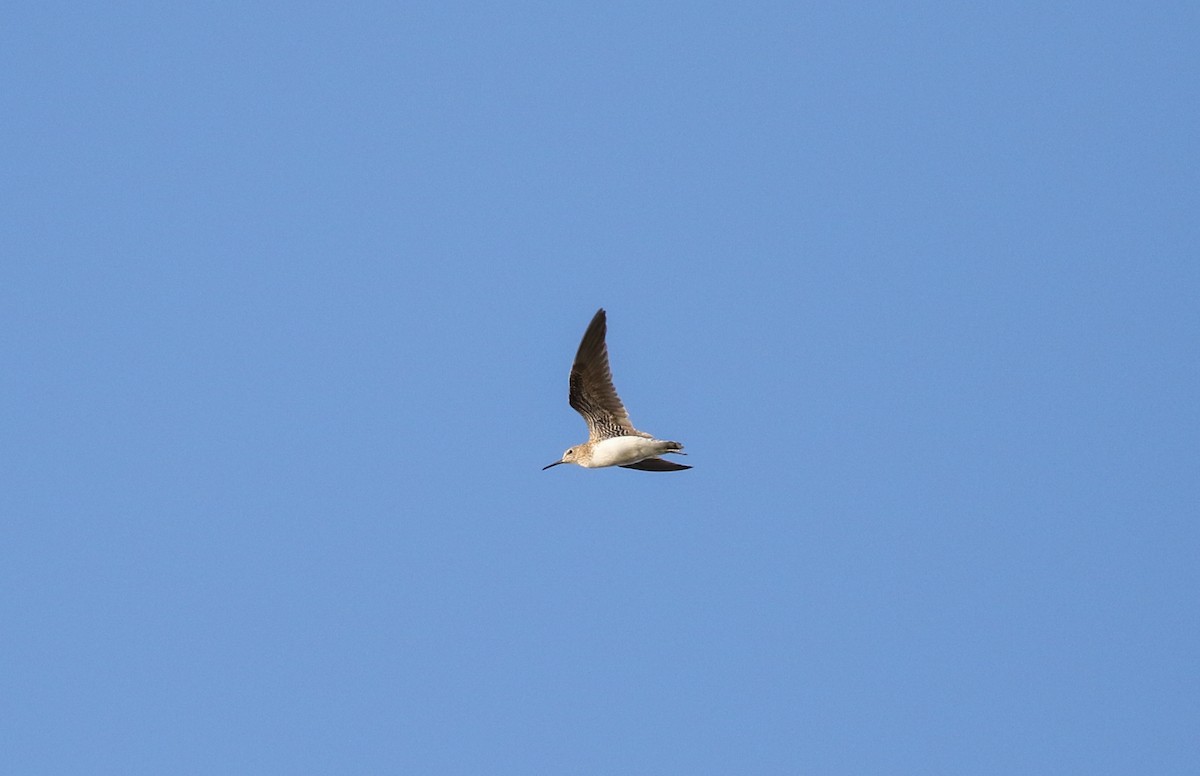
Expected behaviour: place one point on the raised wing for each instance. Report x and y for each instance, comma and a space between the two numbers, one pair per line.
592, 393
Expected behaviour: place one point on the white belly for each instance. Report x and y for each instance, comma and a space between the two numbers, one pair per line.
621, 450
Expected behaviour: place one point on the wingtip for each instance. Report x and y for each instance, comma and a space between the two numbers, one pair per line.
594, 335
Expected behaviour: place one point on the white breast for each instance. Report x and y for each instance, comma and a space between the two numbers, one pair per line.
621, 450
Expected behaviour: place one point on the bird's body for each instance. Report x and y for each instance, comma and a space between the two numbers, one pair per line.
617, 451
612, 439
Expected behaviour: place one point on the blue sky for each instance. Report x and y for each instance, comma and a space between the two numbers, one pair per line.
289, 296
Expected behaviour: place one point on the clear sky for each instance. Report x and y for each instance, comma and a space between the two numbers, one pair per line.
289, 294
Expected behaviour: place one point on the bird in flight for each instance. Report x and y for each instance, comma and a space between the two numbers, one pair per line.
612, 439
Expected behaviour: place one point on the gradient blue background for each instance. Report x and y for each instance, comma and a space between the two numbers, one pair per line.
288, 299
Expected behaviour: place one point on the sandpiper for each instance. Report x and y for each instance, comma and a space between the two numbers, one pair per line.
612, 439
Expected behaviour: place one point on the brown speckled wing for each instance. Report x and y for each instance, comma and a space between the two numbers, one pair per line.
592, 393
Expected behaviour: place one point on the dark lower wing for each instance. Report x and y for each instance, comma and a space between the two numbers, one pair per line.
656, 465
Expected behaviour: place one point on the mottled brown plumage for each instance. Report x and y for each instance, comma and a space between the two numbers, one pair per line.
592, 393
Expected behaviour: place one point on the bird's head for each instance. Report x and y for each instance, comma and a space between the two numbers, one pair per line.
568, 457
